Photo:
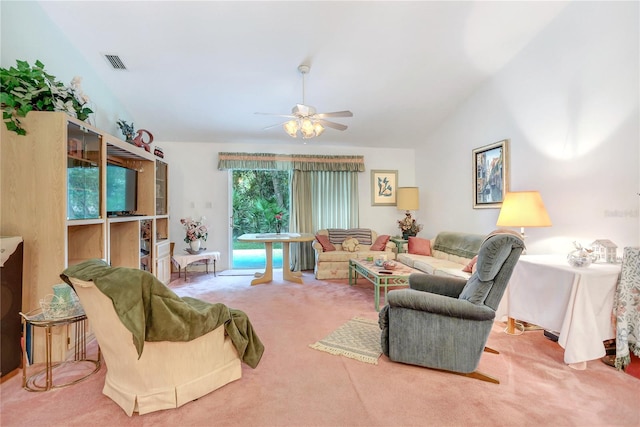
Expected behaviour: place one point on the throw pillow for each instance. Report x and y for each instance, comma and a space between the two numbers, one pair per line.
325, 243
381, 243
351, 245
419, 246
469, 267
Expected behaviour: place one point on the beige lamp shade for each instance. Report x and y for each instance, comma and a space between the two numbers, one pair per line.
523, 209
408, 198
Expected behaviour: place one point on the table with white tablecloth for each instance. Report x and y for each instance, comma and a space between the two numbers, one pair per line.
575, 303
182, 260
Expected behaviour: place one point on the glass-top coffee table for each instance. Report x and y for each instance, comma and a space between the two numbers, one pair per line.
379, 276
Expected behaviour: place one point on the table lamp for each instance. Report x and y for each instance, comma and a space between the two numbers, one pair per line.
523, 209
407, 199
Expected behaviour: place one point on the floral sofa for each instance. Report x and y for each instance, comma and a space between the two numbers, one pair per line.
335, 247
448, 254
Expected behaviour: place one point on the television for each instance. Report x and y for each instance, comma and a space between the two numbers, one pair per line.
122, 190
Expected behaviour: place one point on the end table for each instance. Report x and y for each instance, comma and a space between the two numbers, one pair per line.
399, 241
36, 318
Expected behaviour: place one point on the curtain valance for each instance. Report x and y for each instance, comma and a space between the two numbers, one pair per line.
301, 162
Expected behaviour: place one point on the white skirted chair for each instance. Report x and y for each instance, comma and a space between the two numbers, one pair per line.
167, 374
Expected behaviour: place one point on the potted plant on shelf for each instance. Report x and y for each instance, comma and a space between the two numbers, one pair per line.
26, 88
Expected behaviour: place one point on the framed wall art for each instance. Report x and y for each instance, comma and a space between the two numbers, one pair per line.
490, 175
383, 187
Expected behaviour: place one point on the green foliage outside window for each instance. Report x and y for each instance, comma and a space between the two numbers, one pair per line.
258, 196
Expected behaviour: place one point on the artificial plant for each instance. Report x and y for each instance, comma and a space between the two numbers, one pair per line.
26, 88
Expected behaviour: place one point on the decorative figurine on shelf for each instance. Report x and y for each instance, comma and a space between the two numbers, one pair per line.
605, 250
139, 142
581, 257
127, 130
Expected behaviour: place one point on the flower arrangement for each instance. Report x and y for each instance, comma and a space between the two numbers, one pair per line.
409, 226
26, 88
278, 218
196, 230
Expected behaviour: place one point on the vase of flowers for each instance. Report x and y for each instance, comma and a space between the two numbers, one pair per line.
196, 232
278, 218
408, 226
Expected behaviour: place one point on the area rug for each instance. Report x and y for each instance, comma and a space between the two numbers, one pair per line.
357, 339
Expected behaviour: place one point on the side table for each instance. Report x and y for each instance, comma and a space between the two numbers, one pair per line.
183, 260
574, 303
36, 318
399, 241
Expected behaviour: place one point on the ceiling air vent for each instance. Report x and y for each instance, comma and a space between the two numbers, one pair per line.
115, 62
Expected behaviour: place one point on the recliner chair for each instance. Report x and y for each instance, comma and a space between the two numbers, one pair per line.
444, 322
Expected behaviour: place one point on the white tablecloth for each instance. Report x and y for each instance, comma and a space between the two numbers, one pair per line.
577, 303
184, 259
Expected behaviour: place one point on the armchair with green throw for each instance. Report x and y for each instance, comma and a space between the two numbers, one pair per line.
444, 322
161, 351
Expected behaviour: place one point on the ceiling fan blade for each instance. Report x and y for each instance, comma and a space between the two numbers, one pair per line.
346, 113
289, 116
332, 125
274, 126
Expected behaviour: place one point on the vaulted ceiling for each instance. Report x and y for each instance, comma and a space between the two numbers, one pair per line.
199, 71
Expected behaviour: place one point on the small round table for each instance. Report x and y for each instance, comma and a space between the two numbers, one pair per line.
37, 319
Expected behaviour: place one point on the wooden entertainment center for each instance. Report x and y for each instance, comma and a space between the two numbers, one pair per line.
54, 195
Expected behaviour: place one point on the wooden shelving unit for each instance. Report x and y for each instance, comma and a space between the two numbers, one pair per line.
162, 251
53, 184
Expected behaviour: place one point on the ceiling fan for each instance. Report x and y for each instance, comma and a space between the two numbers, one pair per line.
304, 119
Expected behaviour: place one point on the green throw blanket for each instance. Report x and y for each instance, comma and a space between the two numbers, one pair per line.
152, 312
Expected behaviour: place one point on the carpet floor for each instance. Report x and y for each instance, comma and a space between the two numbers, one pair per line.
295, 385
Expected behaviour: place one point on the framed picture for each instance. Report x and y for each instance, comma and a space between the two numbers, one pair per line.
490, 175
383, 187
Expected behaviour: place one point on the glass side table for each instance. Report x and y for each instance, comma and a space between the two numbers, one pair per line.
36, 318
399, 241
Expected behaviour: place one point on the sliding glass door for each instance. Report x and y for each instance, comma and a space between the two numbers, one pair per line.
260, 199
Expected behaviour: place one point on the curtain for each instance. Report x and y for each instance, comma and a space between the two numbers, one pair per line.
290, 162
319, 200
324, 192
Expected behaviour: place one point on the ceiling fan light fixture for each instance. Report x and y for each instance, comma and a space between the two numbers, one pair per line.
318, 128
305, 120
307, 125
291, 127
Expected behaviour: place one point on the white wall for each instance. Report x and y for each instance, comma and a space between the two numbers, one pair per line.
197, 188
569, 105
28, 34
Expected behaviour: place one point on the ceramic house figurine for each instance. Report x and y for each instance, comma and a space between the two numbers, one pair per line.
605, 249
